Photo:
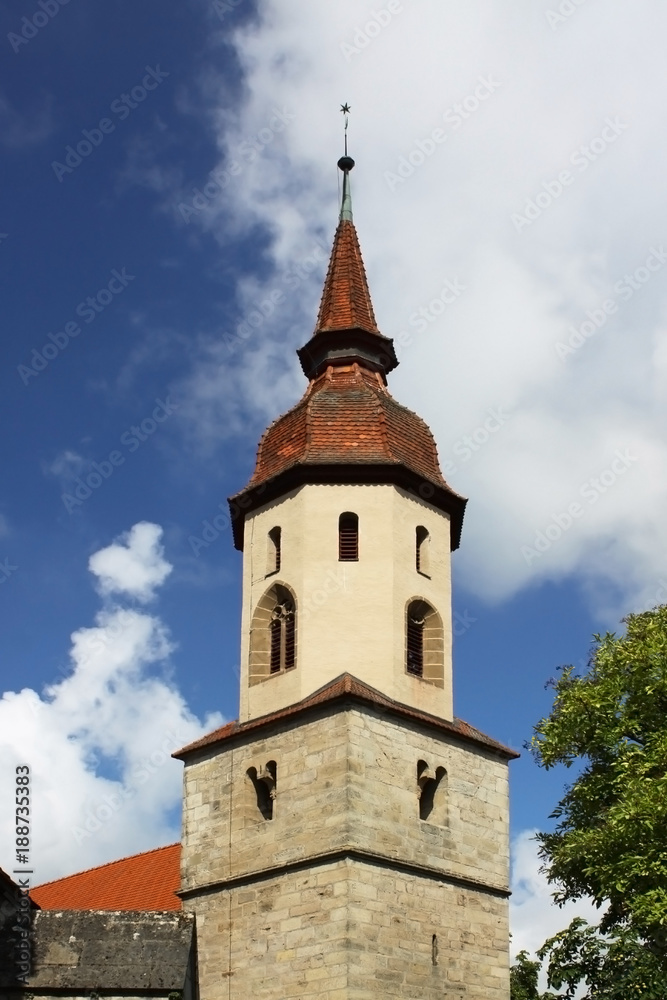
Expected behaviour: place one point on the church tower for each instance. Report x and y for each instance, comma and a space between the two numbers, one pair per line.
347, 838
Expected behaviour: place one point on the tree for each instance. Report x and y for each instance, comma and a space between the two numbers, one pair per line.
610, 842
617, 966
523, 979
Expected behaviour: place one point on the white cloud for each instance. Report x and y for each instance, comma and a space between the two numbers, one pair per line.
98, 741
533, 915
133, 564
549, 91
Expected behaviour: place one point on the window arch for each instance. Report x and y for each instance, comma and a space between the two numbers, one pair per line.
424, 642
273, 554
273, 634
422, 551
348, 537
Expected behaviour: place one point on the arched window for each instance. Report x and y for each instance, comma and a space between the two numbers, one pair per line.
273, 634
424, 642
422, 553
348, 537
282, 637
273, 553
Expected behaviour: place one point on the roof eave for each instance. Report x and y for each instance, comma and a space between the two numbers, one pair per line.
346, 687
340, 346
302, 473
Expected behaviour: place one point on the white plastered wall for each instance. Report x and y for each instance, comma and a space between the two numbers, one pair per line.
350, 615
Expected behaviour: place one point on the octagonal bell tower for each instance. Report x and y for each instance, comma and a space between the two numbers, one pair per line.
347, 525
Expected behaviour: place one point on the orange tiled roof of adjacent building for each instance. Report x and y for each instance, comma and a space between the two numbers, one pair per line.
145, 881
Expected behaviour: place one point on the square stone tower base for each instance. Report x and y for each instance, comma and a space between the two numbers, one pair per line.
348, 848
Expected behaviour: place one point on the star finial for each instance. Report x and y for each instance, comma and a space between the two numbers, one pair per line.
345, 108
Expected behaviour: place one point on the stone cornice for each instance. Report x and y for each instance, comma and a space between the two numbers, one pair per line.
347, 854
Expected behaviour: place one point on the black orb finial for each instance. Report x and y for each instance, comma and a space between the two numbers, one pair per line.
345, 163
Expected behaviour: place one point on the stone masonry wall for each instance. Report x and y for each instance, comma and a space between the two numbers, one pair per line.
340, 894
351, 931
347, 778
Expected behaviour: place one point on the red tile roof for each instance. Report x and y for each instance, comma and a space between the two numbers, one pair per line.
142, 882
346, 301
347, 416
344, 686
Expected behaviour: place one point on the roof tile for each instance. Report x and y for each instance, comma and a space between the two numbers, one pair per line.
347, 415
347, 684
143, 882
346, 301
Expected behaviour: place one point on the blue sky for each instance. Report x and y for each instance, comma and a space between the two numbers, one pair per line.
510, 204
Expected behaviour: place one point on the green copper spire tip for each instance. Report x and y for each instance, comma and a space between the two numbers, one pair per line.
345, 164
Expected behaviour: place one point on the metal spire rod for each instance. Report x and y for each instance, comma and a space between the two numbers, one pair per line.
345, 164
345, 108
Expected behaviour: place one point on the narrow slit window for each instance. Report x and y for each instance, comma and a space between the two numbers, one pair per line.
422, 546
274, 554
348, 538
432, 785
264, 783
415, 645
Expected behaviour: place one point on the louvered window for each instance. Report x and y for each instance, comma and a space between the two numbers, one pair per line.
273, 635
282, 638
289, 642
276, 636
348, 537
415, 646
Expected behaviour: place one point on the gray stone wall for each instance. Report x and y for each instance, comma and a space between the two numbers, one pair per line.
80, 953
339, 894
352, 931
345, 779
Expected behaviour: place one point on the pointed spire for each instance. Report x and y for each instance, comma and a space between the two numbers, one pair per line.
346, 301
346, 329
